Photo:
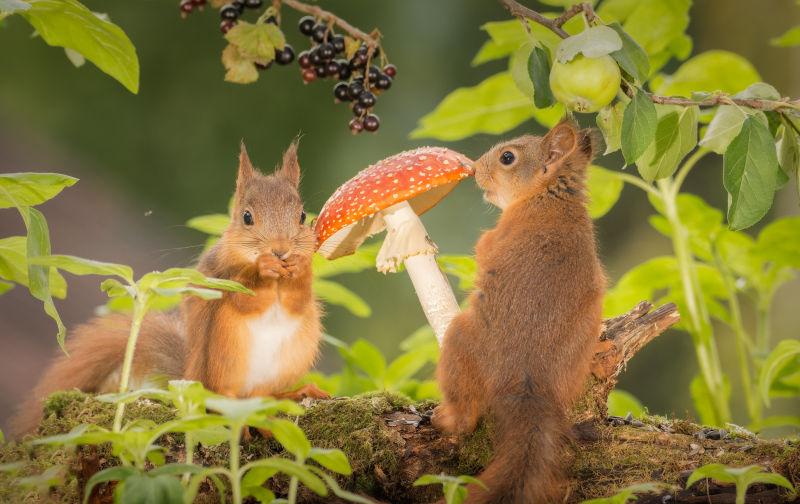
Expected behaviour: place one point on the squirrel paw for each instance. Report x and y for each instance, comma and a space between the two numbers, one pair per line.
296, 264
447, 420
270, 266
308, 390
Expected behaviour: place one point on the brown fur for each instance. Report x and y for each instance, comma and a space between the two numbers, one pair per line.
208, 340
521, 350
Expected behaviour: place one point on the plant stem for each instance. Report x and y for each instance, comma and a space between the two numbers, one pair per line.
762, 328
139, 310
684, 170
292, 497
236, 478
699, 321
370, 40
640, 183
743, 342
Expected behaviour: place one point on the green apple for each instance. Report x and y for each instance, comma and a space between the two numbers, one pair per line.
585, 84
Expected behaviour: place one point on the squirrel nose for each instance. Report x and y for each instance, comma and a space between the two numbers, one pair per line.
280, 253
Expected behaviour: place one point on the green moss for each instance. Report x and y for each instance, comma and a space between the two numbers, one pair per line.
475, 451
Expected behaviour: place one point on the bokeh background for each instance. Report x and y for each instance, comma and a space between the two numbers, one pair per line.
150, 162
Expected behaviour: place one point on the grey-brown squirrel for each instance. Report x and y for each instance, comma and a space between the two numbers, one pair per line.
521, 350
239, 345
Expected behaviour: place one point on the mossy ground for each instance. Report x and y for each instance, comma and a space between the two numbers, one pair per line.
387, 458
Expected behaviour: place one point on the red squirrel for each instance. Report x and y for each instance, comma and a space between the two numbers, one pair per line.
239, 345
521, 350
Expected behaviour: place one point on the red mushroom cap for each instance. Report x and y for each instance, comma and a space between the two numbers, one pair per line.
421, 176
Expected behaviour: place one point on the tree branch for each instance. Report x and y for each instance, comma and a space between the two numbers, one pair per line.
555, 25
371, 40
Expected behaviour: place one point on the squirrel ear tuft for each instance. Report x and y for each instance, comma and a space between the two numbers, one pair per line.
290, 166
560, 141
246, 170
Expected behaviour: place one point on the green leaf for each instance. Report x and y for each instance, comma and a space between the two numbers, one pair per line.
256, 41
294, 469
261, 494
81, 266
11, 6
661, 40
239, 69
69, 24
609, 120
620, 403
728, 120
676, 136
631, 58
788, 147
51, 477
518, 67
703, 400
494, 106
638, 126
749, 174
790, 38
30, 189
256, 476
365, 356
333, 460
243, 410
592, 42
786, 353
709, 71
337, 294
742, 477
337, 490
604, 188
539, 71
290, 436
628, 493
779, 242
38, 245
407, 365
463, 267
14, 266
117, 473
362, 259
5, 287
145, 489
213, 224
507, 36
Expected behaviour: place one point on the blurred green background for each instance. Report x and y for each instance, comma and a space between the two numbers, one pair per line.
150, 162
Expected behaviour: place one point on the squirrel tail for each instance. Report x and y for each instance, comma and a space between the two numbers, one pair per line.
527, 467
95, 354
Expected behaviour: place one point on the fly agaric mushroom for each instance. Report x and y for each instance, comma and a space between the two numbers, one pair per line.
391, 194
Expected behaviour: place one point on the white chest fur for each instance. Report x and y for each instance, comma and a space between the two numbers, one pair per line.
268, 333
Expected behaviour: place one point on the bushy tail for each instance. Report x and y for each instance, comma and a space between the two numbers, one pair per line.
96, 350
528, 462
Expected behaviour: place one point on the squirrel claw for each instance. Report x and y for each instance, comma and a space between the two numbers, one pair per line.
270, 266
308, 390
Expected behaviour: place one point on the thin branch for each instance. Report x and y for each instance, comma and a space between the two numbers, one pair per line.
555, 25
369, 39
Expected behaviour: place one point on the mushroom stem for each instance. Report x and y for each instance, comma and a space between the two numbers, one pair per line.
408, 242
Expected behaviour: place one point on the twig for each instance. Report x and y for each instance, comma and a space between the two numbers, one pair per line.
555, 25
313, 10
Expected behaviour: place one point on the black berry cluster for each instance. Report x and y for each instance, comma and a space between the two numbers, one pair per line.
357, 83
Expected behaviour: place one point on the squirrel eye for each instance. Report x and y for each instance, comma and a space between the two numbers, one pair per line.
302, 218
248, 218
507, 158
